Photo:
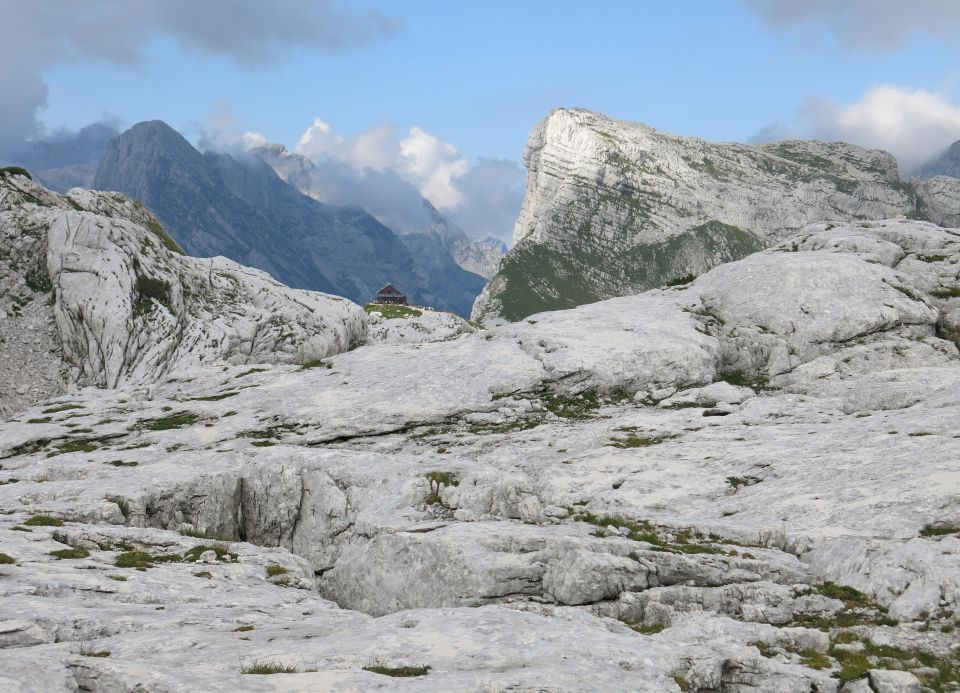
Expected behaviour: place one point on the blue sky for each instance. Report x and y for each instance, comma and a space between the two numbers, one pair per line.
480, 75
442, 95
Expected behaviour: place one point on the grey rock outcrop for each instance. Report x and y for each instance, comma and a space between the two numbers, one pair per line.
613, 208
96, 293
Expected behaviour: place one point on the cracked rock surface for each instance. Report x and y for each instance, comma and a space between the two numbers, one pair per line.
749, 482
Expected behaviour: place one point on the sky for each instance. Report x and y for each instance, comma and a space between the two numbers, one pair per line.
443, 94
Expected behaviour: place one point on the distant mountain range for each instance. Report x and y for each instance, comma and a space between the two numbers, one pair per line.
265, 209
424, 230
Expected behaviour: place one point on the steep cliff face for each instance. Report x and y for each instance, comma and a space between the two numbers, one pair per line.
96, 293
946, 164
451, 257
613, 208
218, 204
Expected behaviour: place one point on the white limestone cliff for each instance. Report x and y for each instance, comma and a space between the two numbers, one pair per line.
615, 207
95, 293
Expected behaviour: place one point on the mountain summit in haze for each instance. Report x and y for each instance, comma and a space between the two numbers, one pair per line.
236, 206
946, 163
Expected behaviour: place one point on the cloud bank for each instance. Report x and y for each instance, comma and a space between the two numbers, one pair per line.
38, 35
868, 25
483, 198
912, 124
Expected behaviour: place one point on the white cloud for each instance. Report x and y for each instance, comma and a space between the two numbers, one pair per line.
40, 34
387, 175
872, 25
319, 140
433, 165
912, 124
221, 132
376, 148
420, 158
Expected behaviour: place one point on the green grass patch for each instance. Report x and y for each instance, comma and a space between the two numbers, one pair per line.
80, 445
316, 363
62, 407
399, 672
148, 290
213, 398
141, 560
632, 440
162, 235
522, 424
203, 574
180, 419
952, 292
63, 554
854, 664
393, 312
273, 570
88, 651
852, 598
203, 534
680, 281
6, 559
738, 481
265, 668
940, 529
121, 463
646, 630
250, 372
15, 171
41, 420
576, 407
43, 521
740, 379
118, 578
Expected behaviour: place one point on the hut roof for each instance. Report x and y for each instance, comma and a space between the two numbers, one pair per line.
389, 290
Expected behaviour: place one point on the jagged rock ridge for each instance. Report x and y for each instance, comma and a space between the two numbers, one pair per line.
218, 204
613, 207
427, 232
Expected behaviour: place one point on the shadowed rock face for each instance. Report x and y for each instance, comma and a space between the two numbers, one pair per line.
217, 204
946, 164
431, 237
613, 207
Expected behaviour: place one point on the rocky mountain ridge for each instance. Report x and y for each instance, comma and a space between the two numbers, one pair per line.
947, 163
613, 207
746, 482
428, 233
236, 206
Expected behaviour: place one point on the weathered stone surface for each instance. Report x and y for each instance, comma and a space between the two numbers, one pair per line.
104, 297
428, 326
613, 207
511, 506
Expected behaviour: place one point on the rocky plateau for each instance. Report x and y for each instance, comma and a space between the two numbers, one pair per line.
747, 481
